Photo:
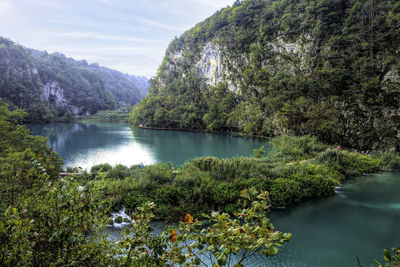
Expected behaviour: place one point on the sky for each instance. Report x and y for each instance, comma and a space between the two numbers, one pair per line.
126, 35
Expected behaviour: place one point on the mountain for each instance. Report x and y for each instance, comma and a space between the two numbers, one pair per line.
272, 67
50, 86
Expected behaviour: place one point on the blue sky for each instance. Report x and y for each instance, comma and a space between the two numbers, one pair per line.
129, 36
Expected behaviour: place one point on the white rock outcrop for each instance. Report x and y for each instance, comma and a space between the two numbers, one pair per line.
53, 92
211, 67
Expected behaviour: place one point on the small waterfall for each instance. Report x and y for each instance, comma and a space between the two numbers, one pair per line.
123, 217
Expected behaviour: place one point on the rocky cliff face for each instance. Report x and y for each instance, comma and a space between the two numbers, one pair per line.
212, 66
326, 68
51, 85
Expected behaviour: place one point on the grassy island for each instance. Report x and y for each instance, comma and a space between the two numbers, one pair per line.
298, 168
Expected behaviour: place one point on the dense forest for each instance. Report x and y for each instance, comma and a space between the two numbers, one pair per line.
52, 86
263, 67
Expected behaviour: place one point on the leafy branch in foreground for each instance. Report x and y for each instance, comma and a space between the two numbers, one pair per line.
392, 261
220, 239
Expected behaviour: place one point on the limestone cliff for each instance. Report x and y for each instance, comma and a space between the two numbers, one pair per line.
263, 67
51, 86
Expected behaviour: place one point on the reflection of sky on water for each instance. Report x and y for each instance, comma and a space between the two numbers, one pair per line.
85, 145
126, 154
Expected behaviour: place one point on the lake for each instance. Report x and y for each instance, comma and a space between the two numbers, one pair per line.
88, 144
360, 220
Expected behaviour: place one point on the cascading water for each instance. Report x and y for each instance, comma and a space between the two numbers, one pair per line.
121, 216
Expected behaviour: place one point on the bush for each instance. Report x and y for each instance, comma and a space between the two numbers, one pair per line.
389, 161
157, 174
209, 183
349, 163
189, 176
296, 148
117, 190
118, 172
284, 192
100, 167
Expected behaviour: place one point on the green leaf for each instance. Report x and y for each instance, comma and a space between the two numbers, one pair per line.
386, 255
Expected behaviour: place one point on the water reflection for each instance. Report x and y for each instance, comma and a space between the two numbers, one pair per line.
85, 145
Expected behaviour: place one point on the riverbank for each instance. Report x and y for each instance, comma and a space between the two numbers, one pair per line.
141, 126
121, 116
299, 168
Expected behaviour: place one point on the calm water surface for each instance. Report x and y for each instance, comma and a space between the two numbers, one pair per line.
361, 219
85, 145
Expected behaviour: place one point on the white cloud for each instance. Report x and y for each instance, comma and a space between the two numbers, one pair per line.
5, 7
99, 36
214, 3
160, 25
128, 35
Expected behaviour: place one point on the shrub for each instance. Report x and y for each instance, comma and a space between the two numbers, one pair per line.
349, 163
118, 172
389, 161
189, 176
100, 167
160, 173
284, 192
296, 148
258, 153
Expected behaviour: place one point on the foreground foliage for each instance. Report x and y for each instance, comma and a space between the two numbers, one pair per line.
391, 260
219, 240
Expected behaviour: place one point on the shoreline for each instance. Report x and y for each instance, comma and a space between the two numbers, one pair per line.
141, 126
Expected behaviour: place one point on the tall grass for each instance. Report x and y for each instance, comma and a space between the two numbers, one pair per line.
300, 168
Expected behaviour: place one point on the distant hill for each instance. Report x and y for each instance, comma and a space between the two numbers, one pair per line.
50, 86
271, 67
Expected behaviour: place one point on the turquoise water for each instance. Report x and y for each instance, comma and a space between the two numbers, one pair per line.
360, 220
85, 145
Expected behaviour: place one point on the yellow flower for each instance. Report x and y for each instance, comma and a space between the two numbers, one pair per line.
173, 236
188, 219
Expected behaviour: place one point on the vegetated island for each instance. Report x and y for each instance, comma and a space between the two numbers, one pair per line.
298, 168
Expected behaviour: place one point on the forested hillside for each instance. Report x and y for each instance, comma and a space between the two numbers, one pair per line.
50, 86
262, 67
